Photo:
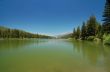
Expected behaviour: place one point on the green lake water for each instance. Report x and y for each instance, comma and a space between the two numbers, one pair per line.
53, 55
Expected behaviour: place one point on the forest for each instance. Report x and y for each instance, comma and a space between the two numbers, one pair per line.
15, 33
93, 30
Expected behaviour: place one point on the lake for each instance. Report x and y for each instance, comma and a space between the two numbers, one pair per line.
53, 55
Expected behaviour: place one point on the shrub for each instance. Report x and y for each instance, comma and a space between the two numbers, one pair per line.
97, 39
91, 38
106, 38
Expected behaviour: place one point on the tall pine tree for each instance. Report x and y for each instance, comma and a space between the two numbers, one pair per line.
106, 15
91, 26
83, 31
74, 32
78, 33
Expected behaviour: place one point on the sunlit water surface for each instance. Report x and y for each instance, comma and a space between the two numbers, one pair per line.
52, 55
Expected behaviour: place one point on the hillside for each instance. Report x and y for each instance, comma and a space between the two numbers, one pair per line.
16, 33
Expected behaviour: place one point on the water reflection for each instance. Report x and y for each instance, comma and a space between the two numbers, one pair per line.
94, 53
52, 55
12, 44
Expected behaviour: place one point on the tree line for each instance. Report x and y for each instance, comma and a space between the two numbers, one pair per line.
92, 28
15, 33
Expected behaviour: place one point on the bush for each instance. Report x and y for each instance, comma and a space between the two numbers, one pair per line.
106, 38
91, 38
97, 39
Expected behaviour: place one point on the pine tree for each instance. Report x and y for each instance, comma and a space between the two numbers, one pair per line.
83, 31
106, 15
91, 26
78, 33
74, 32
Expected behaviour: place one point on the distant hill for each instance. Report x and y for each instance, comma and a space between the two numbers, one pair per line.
3, 28
65, 36
16, 33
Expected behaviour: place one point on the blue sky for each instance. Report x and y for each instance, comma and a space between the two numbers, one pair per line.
51, 17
